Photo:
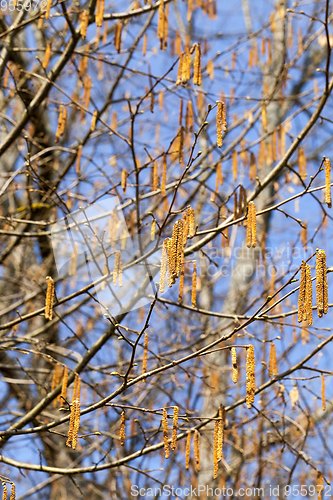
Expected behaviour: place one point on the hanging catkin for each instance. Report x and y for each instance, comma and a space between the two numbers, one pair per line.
47, 56
301, 296
164, 262
190, 214
122, 428
219, 122
49, 298
197, 66
75, 416
181, 281
145, 353
174, 428
302, 163
215, 445
222, 415
250, 376
165, 433
77, 413
308, 296
328, 199
117, 37
164, 170
251, 229
321, 283
4, 491
187, 450
196, 445
234, 365
272, 368
194, 284
12, 492
153, 230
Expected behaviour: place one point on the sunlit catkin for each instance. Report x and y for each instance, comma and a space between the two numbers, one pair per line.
4, 491
196, 446
145, 353
164, 263
321, 283
219, 123
174, 428
153, 230
188, 450
251, 229
323, 399
234, 365
250, 376
272, 368
194, 284
48, 8
191, 222
49, 298
47, 56
302, 163
215, 448
93, 121
197, 65
308, 296
84, 23
124, 180
77, 413
12, 492
165, 433
120, 269
222, 415
73, 413
164, 172
60, 118
122, 428
117, 37
181, 282
328, 199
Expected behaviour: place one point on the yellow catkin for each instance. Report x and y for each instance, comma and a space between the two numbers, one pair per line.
124, 180
221, 432
234, 365
73, 412
93, 121
272, 368
145, 353
323, 399
155, 176
84, 24
219, 124
115, 270
164, 171
264, 116
144, 47
188, 450
301, 295
56, 380
320, 485
163, 266
47, 56
174, 428
165, 433
215, 447
12, 492
308, 296
64, 386
250, 376
4, 491
78, 160
181, 282
302, 163
234, 164
122, 429
49, 298
253, 225
328, 199
57, 136
321, 283
210, 69
197, 65
76, 414
117, 37
191, 227
196, 446
189, 117
153, 230
170, 262
194, 284
48, 8
304, 235
160, 23
249, 226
